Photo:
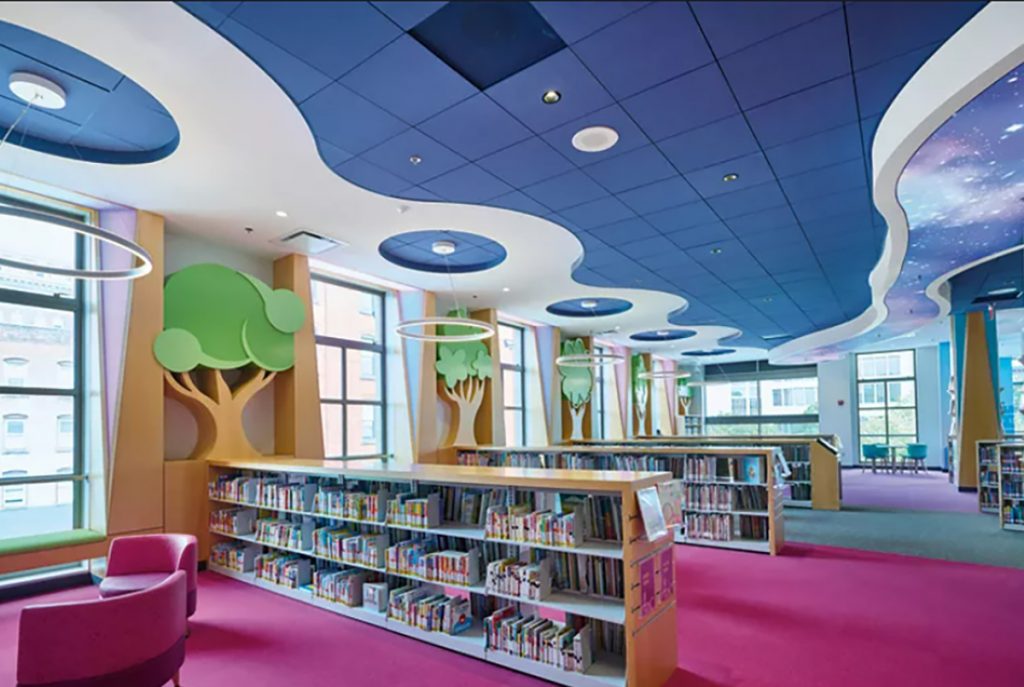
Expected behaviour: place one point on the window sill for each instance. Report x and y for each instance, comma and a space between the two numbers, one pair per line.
53, 540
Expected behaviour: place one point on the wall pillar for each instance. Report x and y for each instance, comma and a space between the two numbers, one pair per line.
976, 402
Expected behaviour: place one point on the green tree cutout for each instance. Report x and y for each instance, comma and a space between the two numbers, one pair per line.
577, 385
218, 319
641, 389
464, 368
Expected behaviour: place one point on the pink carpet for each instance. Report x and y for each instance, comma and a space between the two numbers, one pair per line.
928, 491
816, 617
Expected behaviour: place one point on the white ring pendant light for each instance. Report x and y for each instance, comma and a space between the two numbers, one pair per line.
418, 330
591, 360
144, 262
663, 374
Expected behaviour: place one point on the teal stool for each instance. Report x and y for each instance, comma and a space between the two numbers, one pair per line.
915, 454
872, 453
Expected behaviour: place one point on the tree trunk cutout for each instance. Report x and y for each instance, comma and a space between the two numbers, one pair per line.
577, 422
218, 409
467, 397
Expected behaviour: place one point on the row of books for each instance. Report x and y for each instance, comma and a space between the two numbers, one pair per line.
449, 567
800, 492
344, 544
468, 505
520, 523
414, 511
538, 639
233, 520
339, 586
513, 577
1013, 513
285, 569
799, 472
719, 527
417, 607
282, 532
234, 555
334, 500
586, 574
708, 497
710, 468
1013, 487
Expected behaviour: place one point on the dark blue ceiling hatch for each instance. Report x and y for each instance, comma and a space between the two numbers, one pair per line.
663, 335
486, 42
441, 250
713, 351
589, 307
740, 180
107, 117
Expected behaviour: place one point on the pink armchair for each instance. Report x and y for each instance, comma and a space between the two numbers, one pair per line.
139, 562
136, 639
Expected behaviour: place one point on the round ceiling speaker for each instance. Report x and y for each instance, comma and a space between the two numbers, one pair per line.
595, 139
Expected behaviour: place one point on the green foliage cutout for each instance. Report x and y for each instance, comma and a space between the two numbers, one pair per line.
457, 362
577, 382
641, 387
224, 319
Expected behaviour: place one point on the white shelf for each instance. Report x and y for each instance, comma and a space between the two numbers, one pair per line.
453, 529
713, 511
603, 673
797, 503
1013, 527
989, 509
737, 544
471, 642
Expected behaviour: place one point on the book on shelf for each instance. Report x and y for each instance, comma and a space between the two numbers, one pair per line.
234, 555
416, 557
335, 501
752, 470
650, 513
671, 495
520, 523
724, 497
409, 510
430, 612
284, 569
566, 646
339, 586
233, 520
286, 533
724, 527
513, 577
375, 595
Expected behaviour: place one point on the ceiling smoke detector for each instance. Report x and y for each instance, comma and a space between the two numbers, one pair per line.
308, 243
443, 247
37, 90
595, 139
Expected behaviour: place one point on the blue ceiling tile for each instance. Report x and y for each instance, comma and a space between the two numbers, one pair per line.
748, 200
370, 176
879, 84
525, 163
819, 150
657, 43
212, 13
766, 220
660, 195
782, 238
656, 245
331, 36
854, 200
701, 235
576, 20
348, 121
880, 30
395, 153
722, 140
682, 217
58, 56
598, 212
624, 232
565, 190
732, 26
630, 170
824, 180
599, 258
684, 103
408, 14
298, 79
475, 127
408, 81
519, 201
816, 109
791, 61
331, 154
417, 193
520, 94
468, 184
751, 169
630, 135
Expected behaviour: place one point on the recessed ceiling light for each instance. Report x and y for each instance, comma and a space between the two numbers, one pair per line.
38, 90
662, 332
281, 213
443, 247
505, 289
767, 299
1003, 292
716, 251
588, 304
415, 159
551, 97
731, 176
595, 139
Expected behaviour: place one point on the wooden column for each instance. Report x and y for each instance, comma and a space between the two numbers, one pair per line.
549, 345
298, 430
421, 382
979, 412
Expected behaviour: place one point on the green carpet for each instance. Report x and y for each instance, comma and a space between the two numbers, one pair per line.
970, 538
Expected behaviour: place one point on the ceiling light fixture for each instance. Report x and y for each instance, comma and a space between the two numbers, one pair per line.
505, 289
589, 304
1003, 292
591, 360
281, 213
442, 247
731, 176
595, 139
662, 374
37, 90
662, 332
415, 160
551, 97
716, 251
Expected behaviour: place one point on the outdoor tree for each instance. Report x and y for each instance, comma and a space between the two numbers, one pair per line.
226, 335
464, 369
577, 385
641, 388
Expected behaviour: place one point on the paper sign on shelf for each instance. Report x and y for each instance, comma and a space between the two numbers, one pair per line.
651, 512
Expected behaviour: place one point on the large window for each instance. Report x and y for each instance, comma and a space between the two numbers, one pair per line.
513, 379
886, 398
349, 325
41, 463
759, 399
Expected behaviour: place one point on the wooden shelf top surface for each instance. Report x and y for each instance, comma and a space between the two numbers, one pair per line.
632, 450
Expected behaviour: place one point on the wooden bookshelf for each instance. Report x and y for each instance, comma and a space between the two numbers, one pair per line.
648, 630
816, 470
1011, 485
988, 475
675, 459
